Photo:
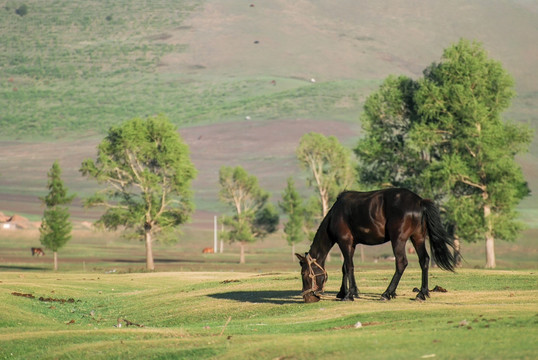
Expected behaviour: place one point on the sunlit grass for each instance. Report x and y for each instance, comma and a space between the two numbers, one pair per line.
246, 315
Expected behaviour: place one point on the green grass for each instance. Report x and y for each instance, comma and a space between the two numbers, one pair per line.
184, 310
484, 314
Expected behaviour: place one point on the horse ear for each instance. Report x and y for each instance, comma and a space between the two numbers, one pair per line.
300, 257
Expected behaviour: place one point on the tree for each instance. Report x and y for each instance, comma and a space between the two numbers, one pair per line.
394, 151
254, 218
147, 171
460, 103
55, 230
443, 136
329, 164
292, 205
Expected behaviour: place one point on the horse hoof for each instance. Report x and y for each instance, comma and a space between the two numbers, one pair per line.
421, 296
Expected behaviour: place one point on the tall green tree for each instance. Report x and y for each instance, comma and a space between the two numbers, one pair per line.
147, 172
254, 217
460, 103
292, 205
454, 145
55, 230
329, 164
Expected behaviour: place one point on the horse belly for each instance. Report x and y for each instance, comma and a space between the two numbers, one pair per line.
368, 236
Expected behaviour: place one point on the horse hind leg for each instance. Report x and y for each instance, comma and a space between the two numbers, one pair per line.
398, 247
419, 242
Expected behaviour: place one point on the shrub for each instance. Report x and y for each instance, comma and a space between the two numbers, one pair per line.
22, 10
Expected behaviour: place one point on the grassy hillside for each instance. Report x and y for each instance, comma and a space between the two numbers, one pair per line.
74, 68
483, 315
77, 67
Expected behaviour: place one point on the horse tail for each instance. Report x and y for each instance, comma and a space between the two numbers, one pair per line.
440, 241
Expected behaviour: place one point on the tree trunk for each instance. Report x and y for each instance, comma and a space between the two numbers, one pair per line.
324, 204
457, 251
242, 256
490, 248
490, 252
149, 250
293, 252
55, 261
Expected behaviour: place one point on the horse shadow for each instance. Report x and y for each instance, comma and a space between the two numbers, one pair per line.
281, 297
278, 297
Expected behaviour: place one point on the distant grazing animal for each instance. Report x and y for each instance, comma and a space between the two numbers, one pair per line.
208, 250
37, 252
374, 218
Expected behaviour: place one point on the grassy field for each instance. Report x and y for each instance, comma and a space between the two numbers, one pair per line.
231, 315
208, 306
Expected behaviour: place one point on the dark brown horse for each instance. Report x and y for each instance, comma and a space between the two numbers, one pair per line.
373, 218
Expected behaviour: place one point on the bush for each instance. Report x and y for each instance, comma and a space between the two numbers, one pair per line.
22, 10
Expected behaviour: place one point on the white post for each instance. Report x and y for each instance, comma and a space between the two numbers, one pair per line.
215, 249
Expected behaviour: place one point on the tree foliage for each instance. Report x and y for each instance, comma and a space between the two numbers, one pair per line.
388, 116
444, 136
329, 165
254, 217
55, 229
147, 172
292, 205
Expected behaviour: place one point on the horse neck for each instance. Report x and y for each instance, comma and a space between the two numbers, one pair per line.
322, 243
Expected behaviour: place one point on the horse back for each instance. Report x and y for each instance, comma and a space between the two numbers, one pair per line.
368, 216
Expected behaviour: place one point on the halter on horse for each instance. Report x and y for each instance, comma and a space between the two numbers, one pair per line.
309, 264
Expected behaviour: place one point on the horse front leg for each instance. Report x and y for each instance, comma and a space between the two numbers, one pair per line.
343, 288
401, 263
349, 287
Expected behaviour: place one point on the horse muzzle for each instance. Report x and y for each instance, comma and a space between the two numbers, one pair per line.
311, 297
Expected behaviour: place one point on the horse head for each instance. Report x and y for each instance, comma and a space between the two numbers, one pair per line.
314, 278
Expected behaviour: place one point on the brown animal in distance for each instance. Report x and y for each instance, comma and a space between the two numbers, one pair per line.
208, 250
37, 252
